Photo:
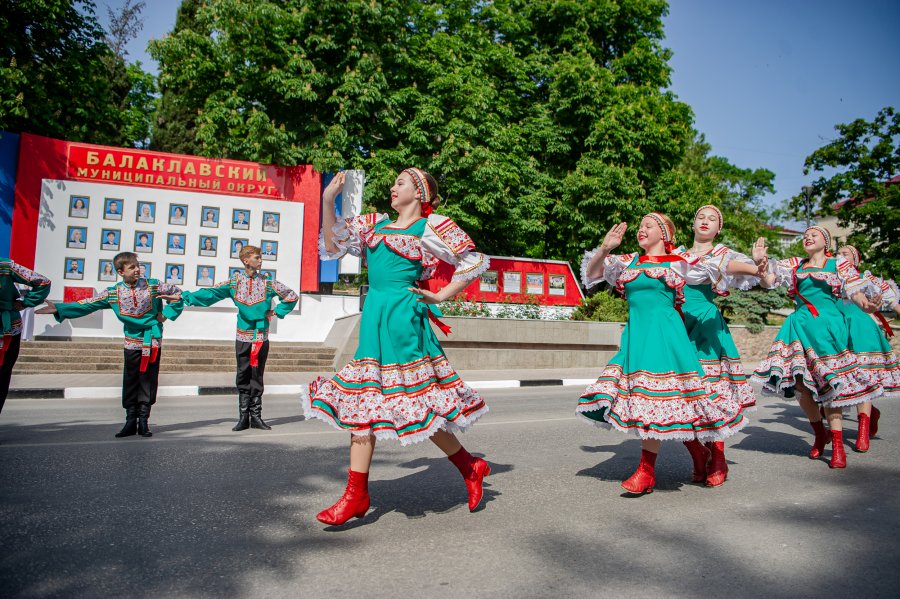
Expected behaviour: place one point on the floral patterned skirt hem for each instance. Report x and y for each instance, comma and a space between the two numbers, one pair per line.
665, 406
727, 377
408, 402
836, 381
884, 368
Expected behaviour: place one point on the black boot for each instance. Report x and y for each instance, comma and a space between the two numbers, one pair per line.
130, 427
256, 420
243, 422
143, 427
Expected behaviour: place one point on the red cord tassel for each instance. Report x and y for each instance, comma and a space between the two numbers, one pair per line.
254, 354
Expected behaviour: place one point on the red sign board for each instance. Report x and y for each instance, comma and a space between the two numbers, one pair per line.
519, 280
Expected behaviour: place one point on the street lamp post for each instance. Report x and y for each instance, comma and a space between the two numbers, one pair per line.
807, 205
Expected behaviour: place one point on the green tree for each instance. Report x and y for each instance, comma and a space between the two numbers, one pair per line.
175, 120
545, 121
138, 104
865, 158
54, 72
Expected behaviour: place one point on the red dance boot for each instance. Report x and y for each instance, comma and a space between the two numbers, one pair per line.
862, 437
644, 478
353, 503
473, 471
838, 457
718, 469
821, 440
699, 455
873, 423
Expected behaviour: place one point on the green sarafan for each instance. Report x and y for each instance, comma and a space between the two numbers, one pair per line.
545, 121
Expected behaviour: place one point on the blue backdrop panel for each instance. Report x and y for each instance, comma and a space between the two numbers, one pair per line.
9, 160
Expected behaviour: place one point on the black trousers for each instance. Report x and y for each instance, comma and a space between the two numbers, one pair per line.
249, 380
9, 360
137, 387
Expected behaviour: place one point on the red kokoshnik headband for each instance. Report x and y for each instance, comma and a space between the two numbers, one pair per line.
418, 179
716, 210
668, 235
827, 237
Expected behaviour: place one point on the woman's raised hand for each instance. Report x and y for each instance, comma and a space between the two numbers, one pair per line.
760, 252
614, 237
334, 187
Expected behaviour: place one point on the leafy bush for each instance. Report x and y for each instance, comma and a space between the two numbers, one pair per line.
602, 307
751, 308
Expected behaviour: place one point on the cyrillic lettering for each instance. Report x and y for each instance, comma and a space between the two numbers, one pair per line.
204, 184
105, 174
205, 170
174, 166
109, 160
82, 172
159, 164
234, 172
93, 158
190, 169
142, 164
127, 161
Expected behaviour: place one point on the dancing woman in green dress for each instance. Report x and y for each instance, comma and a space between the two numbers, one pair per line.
872, 349
399, 384
810, 356
654, 387
719, 269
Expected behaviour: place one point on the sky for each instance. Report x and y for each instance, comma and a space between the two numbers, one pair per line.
767, 79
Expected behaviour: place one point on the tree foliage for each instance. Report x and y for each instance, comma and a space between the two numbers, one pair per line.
54, 72
545, 121
62, 76
864, 158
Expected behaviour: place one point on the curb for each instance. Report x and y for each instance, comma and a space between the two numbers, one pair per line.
196, 390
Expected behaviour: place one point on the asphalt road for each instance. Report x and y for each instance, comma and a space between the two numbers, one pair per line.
199, 511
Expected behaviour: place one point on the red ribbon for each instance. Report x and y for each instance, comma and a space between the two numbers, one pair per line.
810, 307
426, 209
660, 259
888, 331
444, 327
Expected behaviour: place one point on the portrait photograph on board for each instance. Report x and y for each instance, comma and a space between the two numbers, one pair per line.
175, 243
210, 217
113, 208
74, 268
110, 239
178, 214
146, 212
143, 241
208, 245
79, 206
75, 238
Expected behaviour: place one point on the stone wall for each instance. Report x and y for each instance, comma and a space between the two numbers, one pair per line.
491, 344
